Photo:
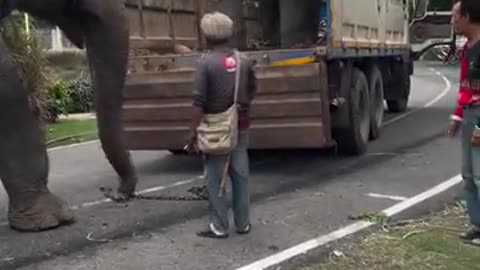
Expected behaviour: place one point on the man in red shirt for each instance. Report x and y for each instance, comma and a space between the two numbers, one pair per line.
466, 116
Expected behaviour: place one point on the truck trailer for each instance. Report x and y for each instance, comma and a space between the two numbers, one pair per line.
325, 69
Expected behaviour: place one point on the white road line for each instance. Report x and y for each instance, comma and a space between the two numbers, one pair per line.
400, 207
142, 192
149, 190
389, 197
145, 191
448, 86
348, 230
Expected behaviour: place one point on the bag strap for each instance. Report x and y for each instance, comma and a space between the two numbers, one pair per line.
237, 77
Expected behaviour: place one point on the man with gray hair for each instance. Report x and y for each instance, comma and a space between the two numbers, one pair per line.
213, 93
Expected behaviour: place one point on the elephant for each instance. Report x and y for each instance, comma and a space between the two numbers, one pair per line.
101, 27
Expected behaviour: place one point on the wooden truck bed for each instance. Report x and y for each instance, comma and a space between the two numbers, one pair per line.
290, 109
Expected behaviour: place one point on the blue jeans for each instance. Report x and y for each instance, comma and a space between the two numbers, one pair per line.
471, 164
239, 173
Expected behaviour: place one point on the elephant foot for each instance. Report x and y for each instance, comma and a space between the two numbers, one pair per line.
47, 212
127, 187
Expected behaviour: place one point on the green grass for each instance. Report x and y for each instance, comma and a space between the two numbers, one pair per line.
427, 244
71, 131
70, 73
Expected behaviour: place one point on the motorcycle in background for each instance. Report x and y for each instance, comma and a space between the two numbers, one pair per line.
451, 54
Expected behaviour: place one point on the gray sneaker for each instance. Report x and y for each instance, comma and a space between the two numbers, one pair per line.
246, 230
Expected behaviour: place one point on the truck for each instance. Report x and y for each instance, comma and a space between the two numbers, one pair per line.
325, 68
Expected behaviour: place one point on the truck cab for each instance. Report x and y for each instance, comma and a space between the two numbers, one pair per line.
432, 28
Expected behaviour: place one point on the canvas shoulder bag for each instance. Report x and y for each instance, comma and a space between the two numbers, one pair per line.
217, 133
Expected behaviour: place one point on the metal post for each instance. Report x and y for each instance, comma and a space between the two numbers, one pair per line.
27, 23
59, 38
171, 25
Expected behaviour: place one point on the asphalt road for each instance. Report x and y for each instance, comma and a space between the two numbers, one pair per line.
295, 195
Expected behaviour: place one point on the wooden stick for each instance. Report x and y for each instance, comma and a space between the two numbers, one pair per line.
224, 177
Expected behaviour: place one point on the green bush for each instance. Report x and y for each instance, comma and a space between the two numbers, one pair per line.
58, 100
81, 93
49, 95
74, 96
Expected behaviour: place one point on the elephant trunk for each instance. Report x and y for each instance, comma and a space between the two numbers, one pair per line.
103, 27
107, 42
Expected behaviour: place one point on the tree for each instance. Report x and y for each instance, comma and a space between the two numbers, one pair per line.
28, 54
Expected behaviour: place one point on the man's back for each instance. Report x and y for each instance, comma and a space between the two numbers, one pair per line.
215, 81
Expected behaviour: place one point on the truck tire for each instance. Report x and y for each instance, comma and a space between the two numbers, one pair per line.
377, 103
352, 135
402, 85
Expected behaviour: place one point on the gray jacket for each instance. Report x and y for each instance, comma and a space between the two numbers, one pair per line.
214, 81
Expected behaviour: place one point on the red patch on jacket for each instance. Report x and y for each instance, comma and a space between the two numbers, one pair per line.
230, 63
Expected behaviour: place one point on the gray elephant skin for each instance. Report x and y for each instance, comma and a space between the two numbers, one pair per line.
101, 27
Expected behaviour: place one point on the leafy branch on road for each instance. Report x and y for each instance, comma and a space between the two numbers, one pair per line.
373, 217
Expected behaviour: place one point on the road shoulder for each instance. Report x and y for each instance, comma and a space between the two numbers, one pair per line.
428, 243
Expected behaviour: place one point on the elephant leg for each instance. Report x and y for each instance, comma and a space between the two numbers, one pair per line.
23, 158
107, 42
103, 26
